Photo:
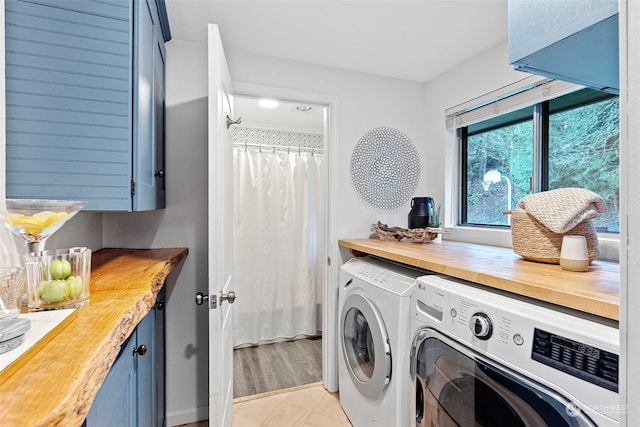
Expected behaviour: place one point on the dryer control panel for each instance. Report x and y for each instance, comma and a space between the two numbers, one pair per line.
575, 358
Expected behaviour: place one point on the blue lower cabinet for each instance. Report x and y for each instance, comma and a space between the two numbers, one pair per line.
145, 353
115, 403
133, 392
159, 362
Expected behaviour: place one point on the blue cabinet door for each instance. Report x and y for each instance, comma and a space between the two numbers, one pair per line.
68, 85
159, 360
115, 403
81, 102
145, 370
148, 153
133, 393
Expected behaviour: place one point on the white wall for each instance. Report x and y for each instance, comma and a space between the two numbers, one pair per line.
362, 102
484, 73
182, 224
365, 102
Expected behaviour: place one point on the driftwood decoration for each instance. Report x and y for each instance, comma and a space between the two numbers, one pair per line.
420, 235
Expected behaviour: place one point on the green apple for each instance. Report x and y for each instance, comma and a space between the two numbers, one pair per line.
51, 291
60, 269
75, 286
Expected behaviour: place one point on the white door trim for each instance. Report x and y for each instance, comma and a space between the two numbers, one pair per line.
330, 291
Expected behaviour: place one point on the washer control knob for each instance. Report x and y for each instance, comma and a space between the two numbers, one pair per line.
481, 326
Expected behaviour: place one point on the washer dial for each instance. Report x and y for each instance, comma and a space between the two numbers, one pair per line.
481, 326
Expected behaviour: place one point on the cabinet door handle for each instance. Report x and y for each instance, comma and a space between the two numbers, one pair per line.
159, 173
141, 350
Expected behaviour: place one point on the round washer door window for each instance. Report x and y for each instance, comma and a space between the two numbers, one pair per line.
365, 346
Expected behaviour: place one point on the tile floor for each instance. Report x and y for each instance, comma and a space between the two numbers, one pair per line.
309, 405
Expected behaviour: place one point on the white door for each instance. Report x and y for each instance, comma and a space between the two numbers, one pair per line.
220, 236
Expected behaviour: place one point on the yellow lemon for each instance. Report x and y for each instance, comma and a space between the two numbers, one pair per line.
44, 215
30, 224
13, 217
54, 218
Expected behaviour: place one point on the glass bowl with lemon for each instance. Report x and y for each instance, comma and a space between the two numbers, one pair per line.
35, 220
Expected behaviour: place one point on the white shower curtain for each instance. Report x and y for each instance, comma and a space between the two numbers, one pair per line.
278, 233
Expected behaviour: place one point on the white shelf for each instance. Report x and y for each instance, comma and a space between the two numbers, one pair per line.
42, 323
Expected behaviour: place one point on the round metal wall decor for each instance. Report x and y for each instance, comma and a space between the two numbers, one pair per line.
385, 168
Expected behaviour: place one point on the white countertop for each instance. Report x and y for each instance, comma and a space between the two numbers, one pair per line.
42, 323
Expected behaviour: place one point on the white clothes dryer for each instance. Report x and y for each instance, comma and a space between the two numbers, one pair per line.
374, 341
484, 357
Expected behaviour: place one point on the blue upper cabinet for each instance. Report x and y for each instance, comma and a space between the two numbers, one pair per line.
85, 104
570, 40
148, 108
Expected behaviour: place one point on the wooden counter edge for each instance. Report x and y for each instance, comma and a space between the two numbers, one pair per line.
73, 407
81, 402
605, 307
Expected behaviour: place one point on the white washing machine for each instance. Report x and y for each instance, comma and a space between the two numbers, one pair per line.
374, 341
488, 358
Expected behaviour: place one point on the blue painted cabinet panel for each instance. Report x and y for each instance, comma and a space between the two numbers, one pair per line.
133, 393
73, 91
115, 403
160, 361
146, 407
148, 150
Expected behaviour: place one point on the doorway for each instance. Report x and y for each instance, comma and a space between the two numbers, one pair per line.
279, 244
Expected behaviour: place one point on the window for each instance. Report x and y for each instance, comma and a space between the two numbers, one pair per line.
569, 141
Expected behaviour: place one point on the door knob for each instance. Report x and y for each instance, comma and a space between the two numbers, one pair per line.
213, 300
201, 298
230, 296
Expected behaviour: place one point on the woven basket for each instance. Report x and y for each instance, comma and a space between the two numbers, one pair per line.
535, 242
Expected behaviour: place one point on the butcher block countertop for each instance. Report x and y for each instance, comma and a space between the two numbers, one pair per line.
55, 382
596, 291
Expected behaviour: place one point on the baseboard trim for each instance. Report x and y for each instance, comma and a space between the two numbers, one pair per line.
186, 417
275, 392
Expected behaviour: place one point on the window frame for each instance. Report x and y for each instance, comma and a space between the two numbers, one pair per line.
491, 234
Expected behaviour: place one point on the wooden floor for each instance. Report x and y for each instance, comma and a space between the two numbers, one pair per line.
276, 366
279, 385
310, 405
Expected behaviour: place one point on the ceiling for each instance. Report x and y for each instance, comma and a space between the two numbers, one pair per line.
286, 116
412, 40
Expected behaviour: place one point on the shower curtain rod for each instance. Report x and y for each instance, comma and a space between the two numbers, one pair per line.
287, 148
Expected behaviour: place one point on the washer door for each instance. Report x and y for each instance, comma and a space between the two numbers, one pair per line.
365, 346
456, 386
